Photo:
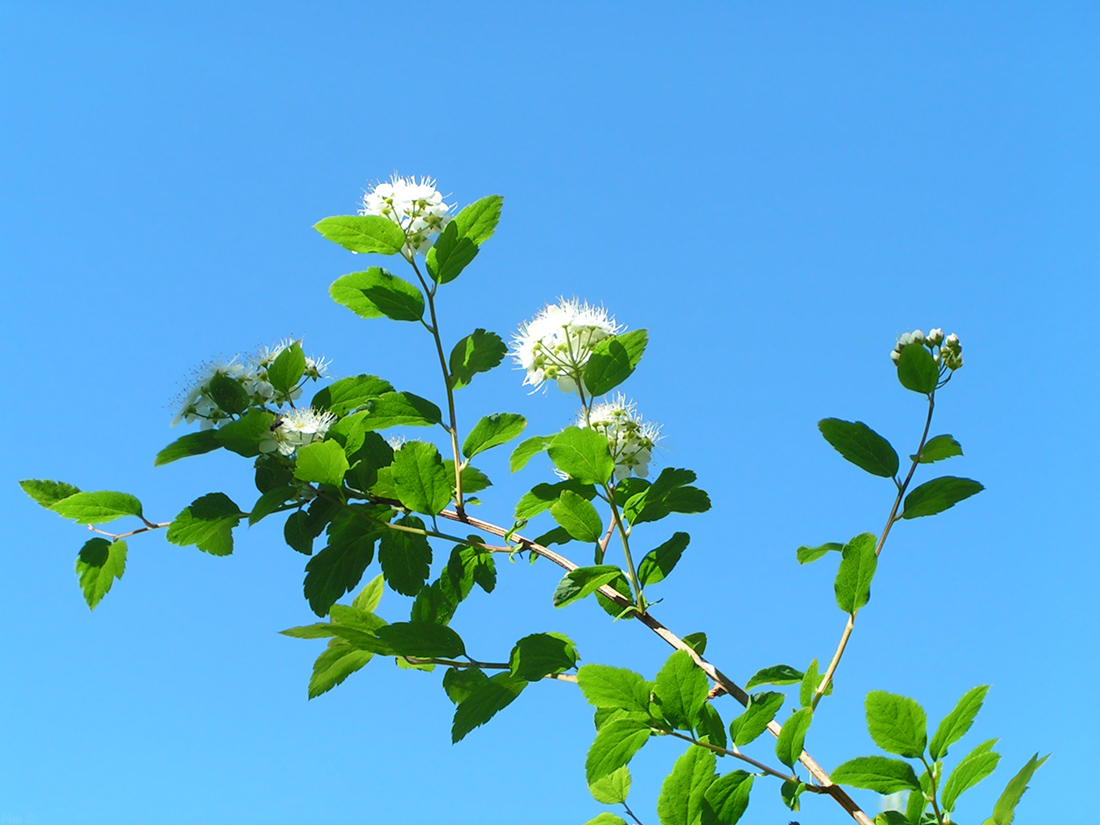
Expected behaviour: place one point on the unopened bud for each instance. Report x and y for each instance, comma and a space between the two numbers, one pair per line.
935, 336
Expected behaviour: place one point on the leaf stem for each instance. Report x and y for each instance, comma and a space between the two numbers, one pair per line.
932, 781
116, 536
625, 536
472, 665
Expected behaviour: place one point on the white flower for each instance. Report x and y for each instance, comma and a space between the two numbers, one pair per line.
935, 336
196, 403
296, 428
557, 343
416, 206
630, 439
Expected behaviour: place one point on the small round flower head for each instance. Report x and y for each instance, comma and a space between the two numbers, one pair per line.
557, 343
414, 205
946, 351
298, 427
935, 337
196, 403
630, 439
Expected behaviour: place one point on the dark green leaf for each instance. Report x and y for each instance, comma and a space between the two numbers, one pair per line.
273, 471
917, 369
1005, 809
47, 493
270, 502
450, 254
97, 508
397, 409
876, 773
422, 640
405, 557
363, 233
204, 441
616, 743
809, 554
612, 789
322, 462
683, 791
287, 369
775, 675
668, 494
955, 725
420, 479
939, 448
297, 534
897, 724
891, 818
375, 293
790, 792
484, 703
938, 495
583, 455
577, 516
756, 717
614, 688
373, 456
613, 360
473, 480
861, 445
528, 449
857, 569
335, 664
480, 351
349, 394
542, 654
696, 641
492, 430
681, 688
207, 523
98, 564
559, 535
788, 747
613, 608
576, 584
542, 497
228, 394
727, 798
972, 769
337, 569
658, 563
459, 684
244, 435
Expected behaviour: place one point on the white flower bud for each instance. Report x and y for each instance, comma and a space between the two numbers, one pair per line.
895, 356
935, 336
916, 337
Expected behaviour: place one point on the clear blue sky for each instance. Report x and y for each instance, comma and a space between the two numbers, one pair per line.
774, 192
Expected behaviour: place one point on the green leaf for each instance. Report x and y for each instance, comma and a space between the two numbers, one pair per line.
543, 496
614, 688
775, 675
938, 495
584, 581
478, 220
613, 360
335, 664
939, 448
583, 455
350, 394
400, 409
363, 233
727, 798
612, 789
485, 702
322, 462
98, 564
659, 562
480, 351
861, 445
491, 431
755, 719
368, 598
606, 818
460, 240
972, 769
47, 493
955, 725
917, 369
459, 684
891, 818
287, 369
710, 727
808, 554
668, 494
683, 791
542, 654
696, 641
681, 688
790, 793
270, 502
876, 773
528, 449
97, 508
375, 293
578, 517
244, 435
613, 608
788, 747
810, 681
405, 557
420, 479
424, 640
204, 441
897, 724
559, 535
615, 745
1005, 809
337, 569
207, 523
228, 394
857, 569
915, 806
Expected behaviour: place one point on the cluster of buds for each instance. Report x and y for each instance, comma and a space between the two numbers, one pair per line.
556, 344
416, 206
630, 439
296, 428
946, 350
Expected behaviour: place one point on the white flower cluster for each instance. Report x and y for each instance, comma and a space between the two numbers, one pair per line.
946, 350
296, 428
416, 206
557, 343
197, 401
631, 440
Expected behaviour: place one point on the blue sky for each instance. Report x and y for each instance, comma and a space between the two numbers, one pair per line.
775, 193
